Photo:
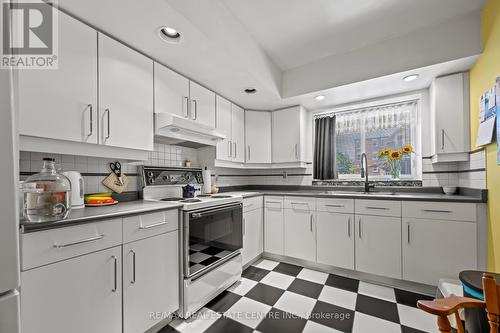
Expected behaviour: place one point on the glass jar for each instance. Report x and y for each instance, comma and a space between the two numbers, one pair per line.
47, 195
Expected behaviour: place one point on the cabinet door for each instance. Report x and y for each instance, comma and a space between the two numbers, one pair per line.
300, 234
273, 225
202, 104
125, 96
62, 103
335, 239
238, 133
150, 280
435, 249
286, 135
253, 235
258, 136
224, 148
378, 245
80, 295
171, 92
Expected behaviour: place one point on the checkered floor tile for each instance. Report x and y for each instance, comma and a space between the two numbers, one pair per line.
201, 256
275, 297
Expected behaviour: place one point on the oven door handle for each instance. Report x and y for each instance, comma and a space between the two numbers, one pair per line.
210, 212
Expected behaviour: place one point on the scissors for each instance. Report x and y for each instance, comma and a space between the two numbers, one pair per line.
116, 168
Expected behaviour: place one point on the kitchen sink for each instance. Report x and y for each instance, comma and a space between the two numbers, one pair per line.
359, 193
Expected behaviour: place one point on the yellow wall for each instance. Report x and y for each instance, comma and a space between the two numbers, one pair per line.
483, 75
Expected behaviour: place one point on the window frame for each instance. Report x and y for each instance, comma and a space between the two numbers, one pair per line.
415, 134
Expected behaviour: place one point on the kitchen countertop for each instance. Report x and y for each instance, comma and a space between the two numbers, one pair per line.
91, 214
385, 195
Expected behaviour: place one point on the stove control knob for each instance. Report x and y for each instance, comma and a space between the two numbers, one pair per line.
150, 174
151, 181
166, 178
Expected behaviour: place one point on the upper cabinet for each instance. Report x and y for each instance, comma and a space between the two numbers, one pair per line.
202, 106
291, 138
125, 96
449, 97
171, 92
224, 147
62, 103
258, 136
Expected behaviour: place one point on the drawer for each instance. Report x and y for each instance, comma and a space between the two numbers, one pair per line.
378, 207
335, 205
440, 210
300, 203
252, 203
273, 202
146, 225
45, 247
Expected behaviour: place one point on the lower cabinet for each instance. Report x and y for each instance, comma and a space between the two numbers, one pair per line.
253, 234
434, 249
150, 281
335, 239
274, 224
300, 234
78, 295
378, 245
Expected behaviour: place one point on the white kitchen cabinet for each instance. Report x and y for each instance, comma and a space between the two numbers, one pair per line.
171, 92
202, 107
224, 148
378, 245
449, 97
300, 228
291, 136
80, 295
238, 133
150, 280
258, 136
273, 224
62, 103
435, 249
253, 234
125, 96
335, 239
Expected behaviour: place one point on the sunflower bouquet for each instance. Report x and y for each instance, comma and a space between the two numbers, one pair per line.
392, 158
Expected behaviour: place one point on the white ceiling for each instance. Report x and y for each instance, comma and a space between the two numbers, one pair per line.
279, 46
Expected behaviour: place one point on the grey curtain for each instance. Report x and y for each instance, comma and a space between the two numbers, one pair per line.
324, 149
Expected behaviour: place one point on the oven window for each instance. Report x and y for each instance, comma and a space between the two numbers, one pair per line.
213, 236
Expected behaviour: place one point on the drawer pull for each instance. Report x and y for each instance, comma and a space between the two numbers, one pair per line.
349, 227
152, 225
335, 206
437, 211
83, 241
377, 208
133, 267
115, 272
300, 203
273, 202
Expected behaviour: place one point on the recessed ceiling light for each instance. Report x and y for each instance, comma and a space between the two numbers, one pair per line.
410, 78
250, 91
169, 34
320, 97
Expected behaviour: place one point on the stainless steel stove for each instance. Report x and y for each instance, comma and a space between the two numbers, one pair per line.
211, 234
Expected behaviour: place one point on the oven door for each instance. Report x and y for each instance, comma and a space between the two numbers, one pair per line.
211, 236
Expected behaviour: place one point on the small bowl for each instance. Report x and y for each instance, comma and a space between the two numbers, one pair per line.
449, 190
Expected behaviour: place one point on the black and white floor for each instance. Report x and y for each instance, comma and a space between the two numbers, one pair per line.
275, 297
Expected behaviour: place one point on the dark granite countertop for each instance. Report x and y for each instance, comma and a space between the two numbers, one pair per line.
91, 214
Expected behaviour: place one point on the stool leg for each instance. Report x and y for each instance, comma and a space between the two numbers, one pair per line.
493, 320
444, 324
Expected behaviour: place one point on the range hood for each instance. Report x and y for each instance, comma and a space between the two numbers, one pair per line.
173, 129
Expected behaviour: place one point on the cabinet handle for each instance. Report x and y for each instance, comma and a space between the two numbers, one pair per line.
311, 223
91, 119
115, 267
186, 99
248, 159
377, 208
195, 113
437, 211
152, 225
229, 149
296, 151
133, 266
349, 227
335, 206
359, 228
408, 227
244, 227
87, 240
106, 111
442, 139
235, 152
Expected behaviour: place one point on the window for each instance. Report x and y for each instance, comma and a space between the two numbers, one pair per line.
369, 130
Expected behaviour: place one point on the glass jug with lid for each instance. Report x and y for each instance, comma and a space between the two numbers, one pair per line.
47, 195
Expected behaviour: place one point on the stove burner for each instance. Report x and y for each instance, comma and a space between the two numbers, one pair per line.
190, 200
171, 199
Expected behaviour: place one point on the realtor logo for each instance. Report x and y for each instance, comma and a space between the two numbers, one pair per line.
29, 39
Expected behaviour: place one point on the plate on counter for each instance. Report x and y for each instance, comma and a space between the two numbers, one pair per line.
101, 204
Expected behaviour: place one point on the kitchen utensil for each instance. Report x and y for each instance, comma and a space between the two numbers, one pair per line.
77, 188
47, 195
188, 191
112, 182
116, 168
449, 190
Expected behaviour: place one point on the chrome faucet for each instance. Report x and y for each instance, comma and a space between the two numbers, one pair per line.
364, 172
